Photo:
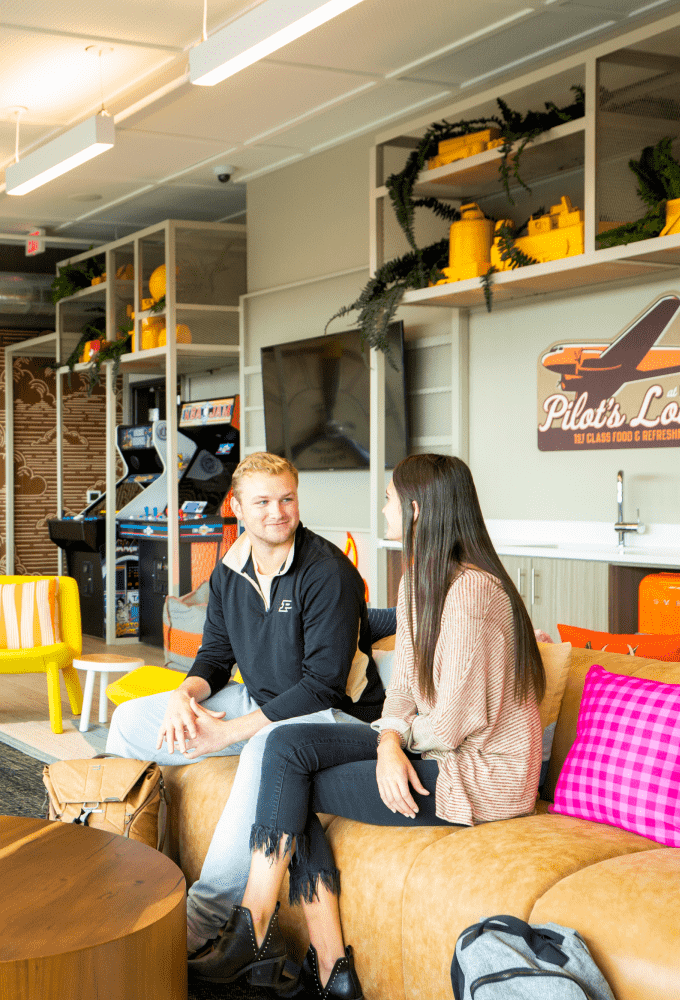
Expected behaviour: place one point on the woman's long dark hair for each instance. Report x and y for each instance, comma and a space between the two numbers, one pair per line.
449, 532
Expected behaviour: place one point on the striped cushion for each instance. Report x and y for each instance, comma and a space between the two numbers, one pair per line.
183, 621
28, 614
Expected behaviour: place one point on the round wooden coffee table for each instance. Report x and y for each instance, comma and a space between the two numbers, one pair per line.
88, 914
104, 664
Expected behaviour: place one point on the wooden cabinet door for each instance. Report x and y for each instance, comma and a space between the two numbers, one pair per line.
519, 568
569, 592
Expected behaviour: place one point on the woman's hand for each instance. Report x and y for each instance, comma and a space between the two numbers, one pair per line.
393, 773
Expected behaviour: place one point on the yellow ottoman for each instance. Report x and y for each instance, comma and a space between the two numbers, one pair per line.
143, 681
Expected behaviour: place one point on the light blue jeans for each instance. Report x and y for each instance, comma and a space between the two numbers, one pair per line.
133, 733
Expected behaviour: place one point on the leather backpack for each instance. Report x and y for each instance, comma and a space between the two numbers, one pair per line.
110, 793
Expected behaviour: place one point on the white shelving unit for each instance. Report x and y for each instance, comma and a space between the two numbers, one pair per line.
205, 270
630, 90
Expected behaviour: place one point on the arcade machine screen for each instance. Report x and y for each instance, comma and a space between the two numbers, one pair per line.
208, 442
83, 538
209, 423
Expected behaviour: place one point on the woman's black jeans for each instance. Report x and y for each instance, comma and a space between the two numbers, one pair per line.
320, 768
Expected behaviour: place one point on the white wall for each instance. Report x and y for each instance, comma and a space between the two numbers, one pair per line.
311, 219
513, 477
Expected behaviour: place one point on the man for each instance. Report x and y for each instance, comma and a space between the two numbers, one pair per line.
288, 607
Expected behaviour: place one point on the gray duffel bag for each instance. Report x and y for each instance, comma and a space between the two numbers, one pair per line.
505, 957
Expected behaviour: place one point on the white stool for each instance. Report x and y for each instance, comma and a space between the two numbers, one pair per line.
104, 664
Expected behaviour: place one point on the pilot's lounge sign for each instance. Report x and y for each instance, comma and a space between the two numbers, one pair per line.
621, 394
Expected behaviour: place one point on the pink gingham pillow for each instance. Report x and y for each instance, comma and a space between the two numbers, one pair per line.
624, 766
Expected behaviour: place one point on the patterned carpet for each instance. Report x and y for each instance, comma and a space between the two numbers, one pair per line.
22, 793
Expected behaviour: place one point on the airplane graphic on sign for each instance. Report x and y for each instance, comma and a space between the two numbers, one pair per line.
616, 387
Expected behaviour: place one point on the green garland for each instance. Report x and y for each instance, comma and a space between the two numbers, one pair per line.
113, 351
523, 129
71, 279
658, 176
380, 298
514, 127
110, 352
506, 236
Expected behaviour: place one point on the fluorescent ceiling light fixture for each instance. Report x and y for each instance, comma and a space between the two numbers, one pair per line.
261, 31
535, 55
78, 145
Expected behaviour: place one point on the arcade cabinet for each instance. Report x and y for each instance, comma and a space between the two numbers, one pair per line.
83, 538
209, 452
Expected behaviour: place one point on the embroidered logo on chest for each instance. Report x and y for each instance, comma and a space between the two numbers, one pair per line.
285, 606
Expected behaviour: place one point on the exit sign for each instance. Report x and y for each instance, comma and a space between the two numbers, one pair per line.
34, 243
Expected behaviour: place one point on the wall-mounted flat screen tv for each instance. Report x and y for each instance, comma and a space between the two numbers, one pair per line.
316, 401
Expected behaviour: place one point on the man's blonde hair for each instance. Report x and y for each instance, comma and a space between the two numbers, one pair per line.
261, 461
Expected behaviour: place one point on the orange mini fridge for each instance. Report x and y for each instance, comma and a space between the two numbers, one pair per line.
659, 604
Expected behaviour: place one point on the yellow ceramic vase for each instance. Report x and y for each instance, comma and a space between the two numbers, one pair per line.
182, 333
151, 328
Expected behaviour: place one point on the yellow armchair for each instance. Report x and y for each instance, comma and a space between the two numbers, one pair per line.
51, 659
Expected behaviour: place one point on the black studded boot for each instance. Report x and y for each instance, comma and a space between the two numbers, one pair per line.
234, 953
343, 982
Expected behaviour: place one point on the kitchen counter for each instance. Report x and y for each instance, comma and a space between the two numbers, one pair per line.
657, 558
658, 547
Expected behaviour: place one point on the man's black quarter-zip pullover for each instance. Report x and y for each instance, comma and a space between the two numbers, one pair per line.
295, 656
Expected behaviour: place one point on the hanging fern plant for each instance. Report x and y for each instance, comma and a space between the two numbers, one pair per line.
71, 278
110, 350
658, 176
380, 298
509, 253
514, 127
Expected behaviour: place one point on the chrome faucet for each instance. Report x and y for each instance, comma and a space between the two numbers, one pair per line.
621, 527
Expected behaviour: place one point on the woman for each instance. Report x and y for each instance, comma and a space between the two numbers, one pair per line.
460, 727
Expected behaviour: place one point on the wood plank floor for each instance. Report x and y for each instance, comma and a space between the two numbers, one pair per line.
23, 697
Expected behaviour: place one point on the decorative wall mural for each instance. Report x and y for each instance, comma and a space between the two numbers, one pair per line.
35, 493
618, 394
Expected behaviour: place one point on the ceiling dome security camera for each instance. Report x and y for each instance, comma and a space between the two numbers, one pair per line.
223, 172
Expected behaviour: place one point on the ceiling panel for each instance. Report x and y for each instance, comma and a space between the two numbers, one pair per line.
379, 37
312, 94
57, 80
29, 134
50, 205
246, 105
374, 109
255, 157
151, 157
103, 232
548, 27
134, 161
175, 22
178, 202
620, 8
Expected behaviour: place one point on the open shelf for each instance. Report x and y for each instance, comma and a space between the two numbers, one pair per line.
189, 307
553, 152
614, 264
191, 359
84, 293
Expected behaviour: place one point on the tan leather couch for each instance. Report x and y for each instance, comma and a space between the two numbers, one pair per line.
407, 894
